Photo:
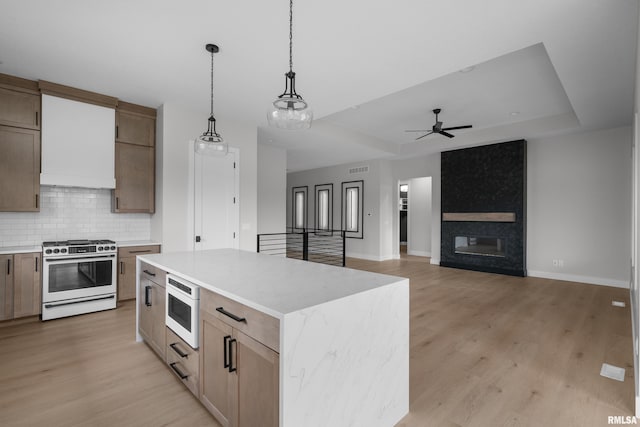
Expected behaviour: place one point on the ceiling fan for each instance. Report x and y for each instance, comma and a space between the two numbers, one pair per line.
437, 128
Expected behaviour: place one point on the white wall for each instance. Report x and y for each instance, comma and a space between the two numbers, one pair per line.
176, 126
419, 220
579, 206
369, 246
272, 189
405, 170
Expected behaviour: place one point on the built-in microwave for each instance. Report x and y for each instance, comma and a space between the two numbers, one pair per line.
183, 305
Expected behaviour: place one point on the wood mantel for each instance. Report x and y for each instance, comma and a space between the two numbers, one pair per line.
480, 216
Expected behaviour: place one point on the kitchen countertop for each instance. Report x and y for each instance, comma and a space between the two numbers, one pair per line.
20, 249
273, 285
129, 243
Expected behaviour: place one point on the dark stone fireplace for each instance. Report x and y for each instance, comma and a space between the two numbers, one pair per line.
484, 208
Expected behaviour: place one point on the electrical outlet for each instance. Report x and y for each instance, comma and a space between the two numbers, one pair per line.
555, 262
618, 303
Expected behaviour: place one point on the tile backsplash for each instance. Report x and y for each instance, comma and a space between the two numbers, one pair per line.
72, 213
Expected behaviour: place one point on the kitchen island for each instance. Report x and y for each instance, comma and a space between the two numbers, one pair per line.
342, 335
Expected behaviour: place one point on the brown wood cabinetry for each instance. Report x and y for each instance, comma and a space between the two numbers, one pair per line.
20, 285
239, 376
27, 288
135, 159
19, 102
127, 269
151, 308
6, 287
19, 144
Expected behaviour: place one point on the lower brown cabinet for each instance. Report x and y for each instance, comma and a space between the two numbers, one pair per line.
127, 269
152, 308
20, 285
239, 376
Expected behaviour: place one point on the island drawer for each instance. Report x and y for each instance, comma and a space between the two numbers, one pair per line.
254, 323
183, 361
152, 273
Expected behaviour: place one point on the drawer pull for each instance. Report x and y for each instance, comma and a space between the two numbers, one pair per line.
149, 273
140, 251
180, 353
231, 315
178, 371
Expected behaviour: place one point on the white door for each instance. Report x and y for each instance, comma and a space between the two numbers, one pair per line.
216, 202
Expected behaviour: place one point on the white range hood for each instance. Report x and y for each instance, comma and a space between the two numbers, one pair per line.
78, 144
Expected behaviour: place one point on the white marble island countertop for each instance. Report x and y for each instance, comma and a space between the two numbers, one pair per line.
274, 285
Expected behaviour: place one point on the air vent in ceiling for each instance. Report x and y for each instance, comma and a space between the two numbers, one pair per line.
359, 169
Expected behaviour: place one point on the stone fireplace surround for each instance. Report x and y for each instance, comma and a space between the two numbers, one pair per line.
484, 197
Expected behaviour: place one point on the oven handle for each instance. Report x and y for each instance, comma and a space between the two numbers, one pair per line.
77, 302
84, 258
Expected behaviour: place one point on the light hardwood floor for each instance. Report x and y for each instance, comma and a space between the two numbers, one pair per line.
486, 350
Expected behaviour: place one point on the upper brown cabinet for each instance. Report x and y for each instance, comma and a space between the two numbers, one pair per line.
135, 124
19, 102
19, 145
135, 159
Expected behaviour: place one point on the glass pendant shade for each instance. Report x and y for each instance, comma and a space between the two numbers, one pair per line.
210, 143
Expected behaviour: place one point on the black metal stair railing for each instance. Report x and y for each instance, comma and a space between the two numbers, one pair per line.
322, 246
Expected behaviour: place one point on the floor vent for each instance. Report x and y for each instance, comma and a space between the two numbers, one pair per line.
613, 372
359, 169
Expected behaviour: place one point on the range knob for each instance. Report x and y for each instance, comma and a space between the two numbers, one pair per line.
63, 251
48, 251
113, 248
56, 250
99, 248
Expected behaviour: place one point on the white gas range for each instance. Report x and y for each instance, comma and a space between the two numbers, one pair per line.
78, 276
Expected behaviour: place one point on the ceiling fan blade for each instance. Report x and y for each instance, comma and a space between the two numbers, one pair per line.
458, 127
447, 134
426, 134
420, 130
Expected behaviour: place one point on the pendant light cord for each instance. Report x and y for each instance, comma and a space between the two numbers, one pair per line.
211, 84
290, 35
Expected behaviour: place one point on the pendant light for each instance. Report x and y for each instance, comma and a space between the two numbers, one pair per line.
210, 143
289, 110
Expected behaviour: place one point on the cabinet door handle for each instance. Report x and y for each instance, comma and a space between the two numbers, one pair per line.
36, 201
231, 315
178, 371
226, 350
180, 353
117, 131
117, 203
147, 296
36, 264
36, 118
121, 267
231, 368
149, 273
8, 267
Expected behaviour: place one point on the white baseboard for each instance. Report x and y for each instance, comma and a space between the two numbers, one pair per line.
418, 253
581, 279
368, 257
435, 261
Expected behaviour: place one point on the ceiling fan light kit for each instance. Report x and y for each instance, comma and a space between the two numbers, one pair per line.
290, 110
210, 143
437, 128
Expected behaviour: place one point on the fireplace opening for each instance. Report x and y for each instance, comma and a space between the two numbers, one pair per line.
482, 246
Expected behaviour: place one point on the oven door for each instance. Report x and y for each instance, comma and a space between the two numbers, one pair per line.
182, 315
78, 277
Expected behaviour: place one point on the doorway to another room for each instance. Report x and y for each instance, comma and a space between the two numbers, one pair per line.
414, 216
